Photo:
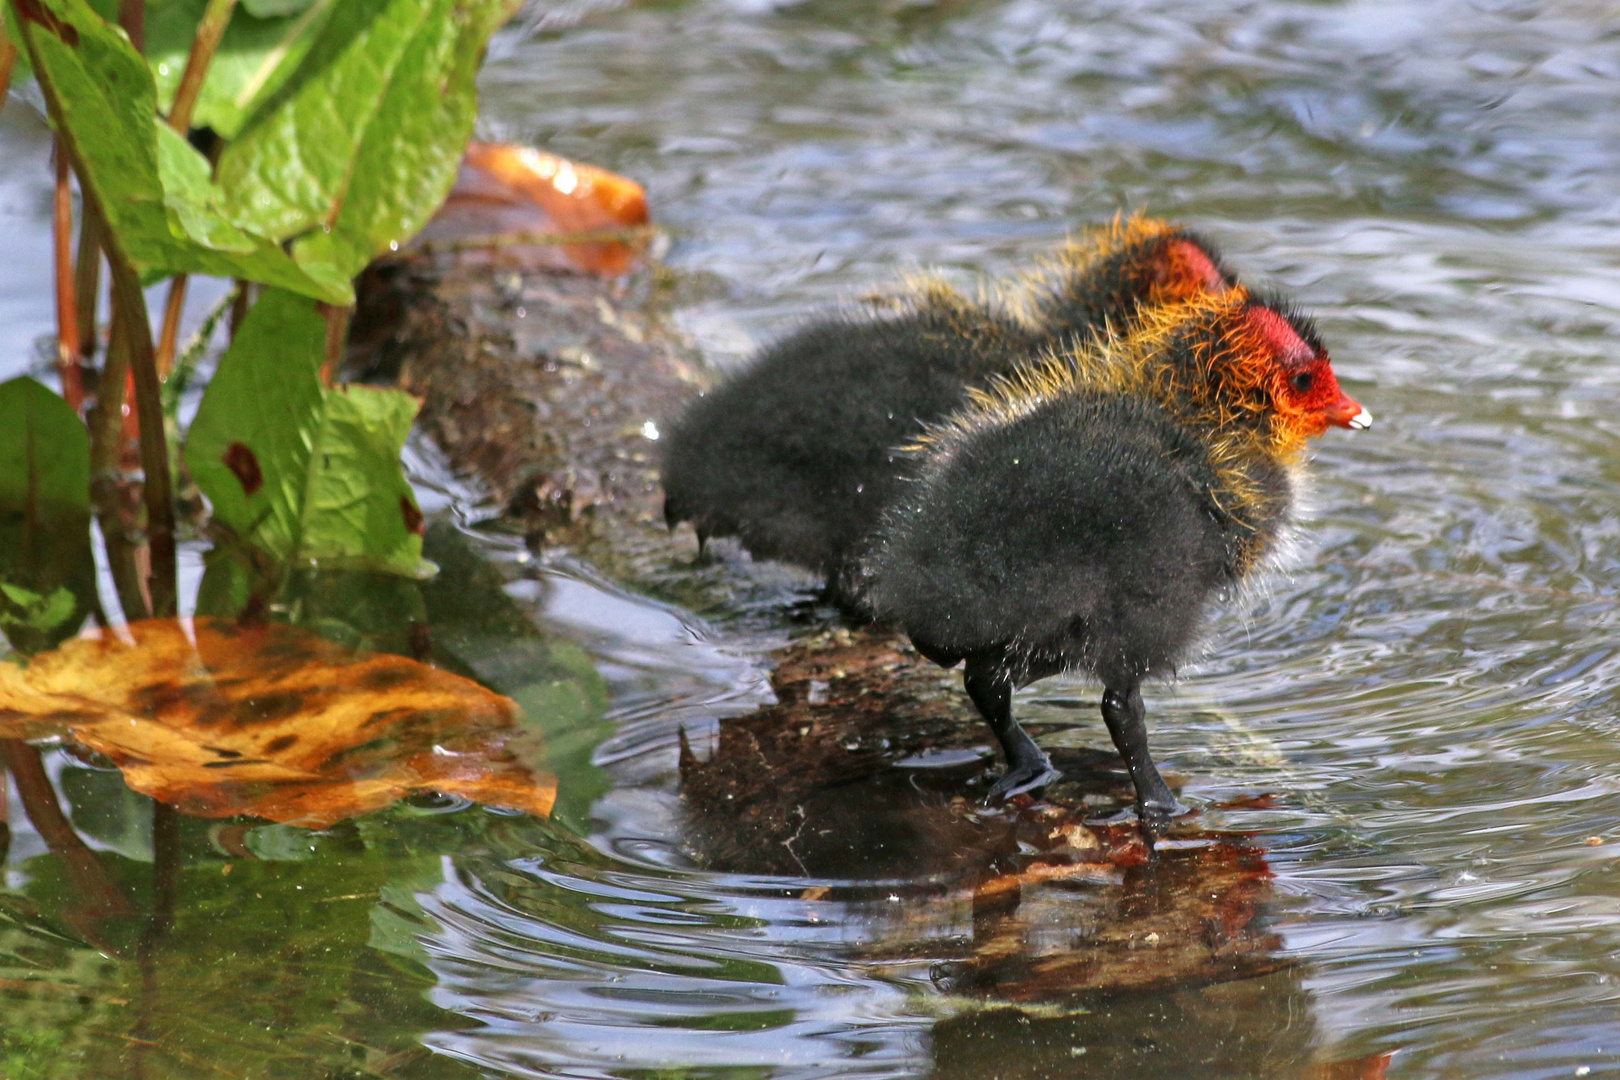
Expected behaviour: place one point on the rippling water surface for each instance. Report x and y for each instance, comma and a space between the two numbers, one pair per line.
1429, 690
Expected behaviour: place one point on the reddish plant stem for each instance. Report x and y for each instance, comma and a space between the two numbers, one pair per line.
132, 17
67, 312
130, 449
96, 895
337, 337
8, 60
169, 336
87, 279
38, 797
210, 29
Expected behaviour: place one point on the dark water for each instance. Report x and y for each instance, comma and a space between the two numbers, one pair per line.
1429, 690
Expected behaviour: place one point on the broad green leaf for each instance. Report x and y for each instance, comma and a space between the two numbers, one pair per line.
102, 101
363, 143
44, 450
301, 474
360, 511
189, 193
249, 447
263, 44
47, 574
290, 170
409, 158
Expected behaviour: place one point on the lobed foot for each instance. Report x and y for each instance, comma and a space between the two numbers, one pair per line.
1026, 779
1154, 818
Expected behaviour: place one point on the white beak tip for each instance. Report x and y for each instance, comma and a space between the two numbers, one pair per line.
1361, 421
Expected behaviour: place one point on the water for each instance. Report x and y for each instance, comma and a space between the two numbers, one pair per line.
1429, 690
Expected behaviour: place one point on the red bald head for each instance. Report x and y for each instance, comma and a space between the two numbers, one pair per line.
1304, 391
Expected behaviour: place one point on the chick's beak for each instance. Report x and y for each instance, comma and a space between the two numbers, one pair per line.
1347, 413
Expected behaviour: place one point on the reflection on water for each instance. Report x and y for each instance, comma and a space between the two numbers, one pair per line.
1415, 721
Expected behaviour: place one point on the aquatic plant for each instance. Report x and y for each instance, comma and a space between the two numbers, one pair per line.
280, 143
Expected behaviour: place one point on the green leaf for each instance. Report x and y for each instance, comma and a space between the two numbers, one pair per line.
44, 450
289, 171
360, 511
304, 476
268, 9
21, 68
152, 187
264, 43
24, 68
47, 573
364, 141
190, 195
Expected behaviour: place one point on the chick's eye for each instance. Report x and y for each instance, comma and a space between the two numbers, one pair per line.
1303, 381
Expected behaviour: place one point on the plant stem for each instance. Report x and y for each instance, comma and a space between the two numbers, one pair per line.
132, 17
8, 60
67, 314
96, 894
337, 337
134, 327
107, 418
170, 334
87, 278
131, 335
109, 493
209, 31
240, 302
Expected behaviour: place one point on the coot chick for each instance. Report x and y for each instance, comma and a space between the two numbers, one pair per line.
1103, 278
796, 455
1081, 514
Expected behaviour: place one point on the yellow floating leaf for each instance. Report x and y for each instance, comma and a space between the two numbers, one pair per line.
221, 719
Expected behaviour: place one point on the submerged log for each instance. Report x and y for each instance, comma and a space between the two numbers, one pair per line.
864, 781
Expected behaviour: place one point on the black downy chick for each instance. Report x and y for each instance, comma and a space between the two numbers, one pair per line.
1081, 514
796, 455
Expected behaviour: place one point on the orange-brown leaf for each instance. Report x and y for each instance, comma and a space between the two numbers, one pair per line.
268, 720
505, 191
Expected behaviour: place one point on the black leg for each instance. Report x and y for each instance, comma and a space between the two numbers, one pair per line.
1027, 766
1124, 713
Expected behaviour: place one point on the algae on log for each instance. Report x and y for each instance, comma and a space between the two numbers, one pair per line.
540, 384
549, 388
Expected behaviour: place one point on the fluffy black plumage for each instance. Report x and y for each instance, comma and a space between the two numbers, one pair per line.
1151, 263
796, 455
1082, 536
1081, 515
